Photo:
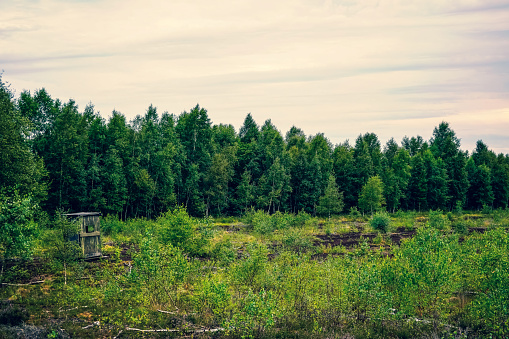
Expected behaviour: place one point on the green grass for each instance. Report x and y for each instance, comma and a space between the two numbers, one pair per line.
279, 283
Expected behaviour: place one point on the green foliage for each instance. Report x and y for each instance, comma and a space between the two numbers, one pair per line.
380, 221
486, 209
354, 212
245, 272
425, 271
371, 197
214, 297
258, 313
113, 252
331, 202
301, 219
158, 269
265, 223
61, 249
17, 229
111, 225
461, 226
21, 169
177, 228
225, 252
488, 270
436, 219
295, 240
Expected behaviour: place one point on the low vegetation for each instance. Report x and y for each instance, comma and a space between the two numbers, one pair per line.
263, 276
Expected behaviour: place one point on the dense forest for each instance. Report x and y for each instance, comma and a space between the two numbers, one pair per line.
67, 159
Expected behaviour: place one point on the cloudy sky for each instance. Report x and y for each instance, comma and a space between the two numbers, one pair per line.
392, 67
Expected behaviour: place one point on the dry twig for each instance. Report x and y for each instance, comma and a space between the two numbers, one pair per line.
30, 283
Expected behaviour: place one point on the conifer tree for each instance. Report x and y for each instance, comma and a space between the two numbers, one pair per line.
331, 202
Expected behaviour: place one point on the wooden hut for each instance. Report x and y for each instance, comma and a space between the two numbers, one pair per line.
89, 236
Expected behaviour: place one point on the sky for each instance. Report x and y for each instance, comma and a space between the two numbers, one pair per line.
343, 68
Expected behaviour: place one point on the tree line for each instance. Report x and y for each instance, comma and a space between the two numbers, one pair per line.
76, 160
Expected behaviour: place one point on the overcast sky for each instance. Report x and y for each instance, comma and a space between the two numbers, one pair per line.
392, 67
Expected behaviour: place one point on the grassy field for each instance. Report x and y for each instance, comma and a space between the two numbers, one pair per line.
403, 275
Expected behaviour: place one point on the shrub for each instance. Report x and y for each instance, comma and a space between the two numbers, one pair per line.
437, 220
12, 315
380, 221
213, 297
158, 269
486, 209
458, 209
252, 265
460, 226
257, 314
262, 222
450, 216
281, 221
17, 229
301, 218
224, 252
179, 229
111, 225
62, 251
296, 241
354, 212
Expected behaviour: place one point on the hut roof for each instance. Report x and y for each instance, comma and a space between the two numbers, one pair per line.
83, 214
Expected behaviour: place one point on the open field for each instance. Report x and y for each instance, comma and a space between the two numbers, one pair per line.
262, 276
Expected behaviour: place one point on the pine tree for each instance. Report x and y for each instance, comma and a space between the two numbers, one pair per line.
331, 202
445, 145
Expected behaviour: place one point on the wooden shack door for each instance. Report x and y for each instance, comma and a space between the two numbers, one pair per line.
90, 236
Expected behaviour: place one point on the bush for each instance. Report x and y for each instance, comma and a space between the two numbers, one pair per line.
458, 209
460, 226
253, 264
111, 225
437, 220
17, 229
486, 209
450, 216
354, 212
61, 249
265, 223
212, 299
296, 241
262, 222
380, 221
282, 221
12, 315
301, 218
224, 252
179, 229
158, 270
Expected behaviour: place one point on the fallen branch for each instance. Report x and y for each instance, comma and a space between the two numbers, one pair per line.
175, 330
118, 335
30, 283
167, 312
91, 325
209, 330
74, 308
139, 330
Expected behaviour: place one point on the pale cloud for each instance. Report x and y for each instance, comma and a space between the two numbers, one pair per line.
394, 67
